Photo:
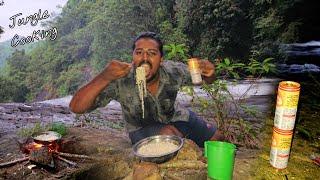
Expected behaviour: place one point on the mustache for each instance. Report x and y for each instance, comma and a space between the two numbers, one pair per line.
145, 62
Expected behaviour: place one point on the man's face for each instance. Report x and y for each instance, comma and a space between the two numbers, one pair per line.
147, 55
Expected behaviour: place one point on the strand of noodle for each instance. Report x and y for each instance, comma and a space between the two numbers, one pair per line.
142, 86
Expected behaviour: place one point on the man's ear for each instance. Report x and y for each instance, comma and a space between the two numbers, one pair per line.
161, 60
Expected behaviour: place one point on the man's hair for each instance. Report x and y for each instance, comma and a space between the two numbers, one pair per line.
149, 35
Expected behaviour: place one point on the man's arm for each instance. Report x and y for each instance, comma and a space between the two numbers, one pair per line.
84, 98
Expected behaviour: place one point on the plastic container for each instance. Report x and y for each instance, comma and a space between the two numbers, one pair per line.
220, 157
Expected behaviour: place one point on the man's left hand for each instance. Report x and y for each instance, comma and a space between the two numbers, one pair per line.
207, 68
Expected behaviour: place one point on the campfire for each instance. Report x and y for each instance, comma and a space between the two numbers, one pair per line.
42, 153
34, 146
46, 153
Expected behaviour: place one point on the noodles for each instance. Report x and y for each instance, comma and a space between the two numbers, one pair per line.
142, 85
157, 148
47, 136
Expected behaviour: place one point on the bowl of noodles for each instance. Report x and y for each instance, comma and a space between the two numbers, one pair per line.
158, 149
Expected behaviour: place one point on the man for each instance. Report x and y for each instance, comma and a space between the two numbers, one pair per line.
161, 114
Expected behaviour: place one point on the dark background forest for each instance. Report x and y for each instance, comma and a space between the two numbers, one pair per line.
92, 32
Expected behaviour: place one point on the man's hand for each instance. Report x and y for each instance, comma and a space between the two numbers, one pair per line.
115, 70
207, 68
207, 71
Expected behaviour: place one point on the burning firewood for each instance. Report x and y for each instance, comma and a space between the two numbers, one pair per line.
42, 155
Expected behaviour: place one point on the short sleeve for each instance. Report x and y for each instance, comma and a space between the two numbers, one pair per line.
111, 92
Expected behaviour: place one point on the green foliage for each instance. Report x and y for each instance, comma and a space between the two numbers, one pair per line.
59, 128
38, 128
256, 68
227, 68
214, 27
291, 34
171, 34
70, 79
30, 131
9, 90
6, 51
274, 22
226, 112
176, 52
13, 87
74, 16
268, 26
114, 28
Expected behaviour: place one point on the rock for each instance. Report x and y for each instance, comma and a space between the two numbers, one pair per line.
106, 170
92, 141
25, 108
188, 164
64, 101
146, 170
189, 151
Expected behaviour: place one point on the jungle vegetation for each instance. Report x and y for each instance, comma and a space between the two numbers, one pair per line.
92, 32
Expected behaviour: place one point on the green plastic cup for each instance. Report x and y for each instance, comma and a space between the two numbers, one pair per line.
220, 157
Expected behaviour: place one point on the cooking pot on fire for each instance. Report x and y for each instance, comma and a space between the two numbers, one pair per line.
46, 137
